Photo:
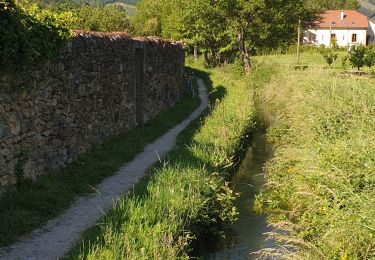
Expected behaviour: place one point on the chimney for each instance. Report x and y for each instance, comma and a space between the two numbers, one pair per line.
342, 16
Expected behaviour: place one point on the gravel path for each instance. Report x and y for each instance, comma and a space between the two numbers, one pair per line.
59, 235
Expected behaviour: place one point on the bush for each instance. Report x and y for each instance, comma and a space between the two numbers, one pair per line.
110, 18
28, 34
329, 56
369, 57
356, 56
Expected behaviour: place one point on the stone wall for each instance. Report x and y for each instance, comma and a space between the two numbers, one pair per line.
99, 86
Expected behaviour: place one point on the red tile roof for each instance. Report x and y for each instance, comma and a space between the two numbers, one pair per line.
352, 19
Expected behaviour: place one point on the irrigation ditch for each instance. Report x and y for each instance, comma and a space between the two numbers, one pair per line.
248, 235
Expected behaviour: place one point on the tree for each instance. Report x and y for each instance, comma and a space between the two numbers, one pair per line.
29, 34
334, 4
148, 18
369, 57
225, 30
329, 56
356, 56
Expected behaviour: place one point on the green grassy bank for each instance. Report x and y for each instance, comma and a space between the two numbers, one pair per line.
31, 204
321, 186
187, 195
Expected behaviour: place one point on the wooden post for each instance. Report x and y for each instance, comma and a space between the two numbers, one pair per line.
299, 41
330, 35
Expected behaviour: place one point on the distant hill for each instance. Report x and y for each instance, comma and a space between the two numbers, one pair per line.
368, 8
131, 10
128, 5
126, 2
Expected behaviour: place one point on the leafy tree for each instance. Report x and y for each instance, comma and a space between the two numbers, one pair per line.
369, 57
102, 18
356, 56
329, 56
148, 18
28, 34
334, 4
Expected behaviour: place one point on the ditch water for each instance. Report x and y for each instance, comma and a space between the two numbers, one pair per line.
247, 234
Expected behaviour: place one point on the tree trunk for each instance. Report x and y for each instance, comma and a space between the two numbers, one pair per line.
244, 54
206, 59
195, 52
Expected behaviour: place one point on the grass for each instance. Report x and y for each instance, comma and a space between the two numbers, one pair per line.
311, 59
321, 188
31, 204
187, 195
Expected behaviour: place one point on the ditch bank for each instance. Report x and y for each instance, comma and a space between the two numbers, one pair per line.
187, 194
246, 236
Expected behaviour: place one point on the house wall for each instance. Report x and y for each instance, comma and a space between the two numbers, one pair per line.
100, 86
371, 32
343, 36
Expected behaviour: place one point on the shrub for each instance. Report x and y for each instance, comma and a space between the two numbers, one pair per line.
29, 34
369, 57
329, 56
356, 56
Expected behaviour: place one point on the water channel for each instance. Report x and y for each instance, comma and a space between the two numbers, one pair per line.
248, 233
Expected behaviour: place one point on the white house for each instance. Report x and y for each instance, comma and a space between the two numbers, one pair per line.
347, 27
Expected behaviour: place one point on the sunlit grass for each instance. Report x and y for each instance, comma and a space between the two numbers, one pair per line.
321, 183
187, 195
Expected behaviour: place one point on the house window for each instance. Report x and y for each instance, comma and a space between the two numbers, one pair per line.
354, 37
333, 36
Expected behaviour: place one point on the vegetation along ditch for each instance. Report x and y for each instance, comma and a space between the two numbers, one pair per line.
318, 194
321, 181
187, 195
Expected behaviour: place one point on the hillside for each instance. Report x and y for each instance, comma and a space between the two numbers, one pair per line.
368, 8
130, 9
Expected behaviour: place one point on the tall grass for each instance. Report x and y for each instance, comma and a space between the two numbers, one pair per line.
187, 195
321, 186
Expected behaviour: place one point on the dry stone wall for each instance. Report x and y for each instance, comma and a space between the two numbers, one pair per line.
101, 85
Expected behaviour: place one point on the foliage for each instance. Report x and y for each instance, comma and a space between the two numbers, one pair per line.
109, 18
356, 56
19, 167
217, 27
321, 181
335, 4
329, 56
369, 57
29, 34
148, 19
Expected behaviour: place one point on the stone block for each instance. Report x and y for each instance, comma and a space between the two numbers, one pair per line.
4, 131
